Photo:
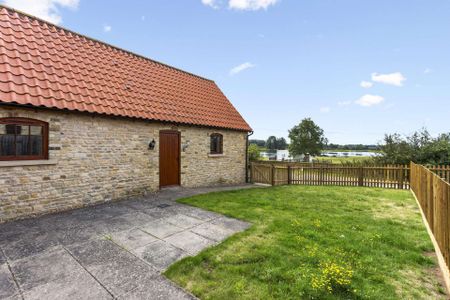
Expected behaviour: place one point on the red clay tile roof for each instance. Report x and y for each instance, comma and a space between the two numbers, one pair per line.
45, 65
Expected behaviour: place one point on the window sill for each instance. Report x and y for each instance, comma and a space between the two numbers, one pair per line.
216, 155
19, 163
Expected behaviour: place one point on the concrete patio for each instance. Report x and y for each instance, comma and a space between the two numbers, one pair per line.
116, 250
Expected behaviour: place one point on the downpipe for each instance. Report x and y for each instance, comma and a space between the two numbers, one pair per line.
246, 157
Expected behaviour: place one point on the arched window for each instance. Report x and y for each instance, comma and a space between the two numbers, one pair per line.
23, 139
216, 143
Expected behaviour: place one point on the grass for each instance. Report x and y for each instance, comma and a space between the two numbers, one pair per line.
314, 243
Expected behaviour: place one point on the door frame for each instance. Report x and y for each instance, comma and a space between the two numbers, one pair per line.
179, 155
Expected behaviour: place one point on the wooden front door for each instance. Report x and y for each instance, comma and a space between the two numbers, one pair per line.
169, 158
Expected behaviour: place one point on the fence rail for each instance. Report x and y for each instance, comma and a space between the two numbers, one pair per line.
441, 171
389, 176
433, 195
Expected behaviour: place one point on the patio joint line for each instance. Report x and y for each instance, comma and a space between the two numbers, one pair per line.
92, 275
141, 259
196, 225
207, 238
12, 275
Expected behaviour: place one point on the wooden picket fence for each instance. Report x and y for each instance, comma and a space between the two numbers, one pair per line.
442, 171
433, 195
388, 176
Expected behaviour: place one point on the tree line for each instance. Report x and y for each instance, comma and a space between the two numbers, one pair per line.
308, 138
272, 143
419, 147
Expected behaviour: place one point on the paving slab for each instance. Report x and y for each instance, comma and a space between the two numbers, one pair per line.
2, 257
182, 221
77, 286
212, 232
231, 224
112, 209
95, 251
132, 238
80, 234
88, 214
8, 288
45, 267
160, 254
160, 228
137, 218
141, 204
115, 224
122, 275
158, 288
117, 269
30, 243
195, 212
159, 212
189, 242
11, 232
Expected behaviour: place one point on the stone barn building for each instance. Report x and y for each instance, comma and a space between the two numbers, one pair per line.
83, 122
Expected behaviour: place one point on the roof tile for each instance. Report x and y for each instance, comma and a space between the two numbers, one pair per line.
44, 65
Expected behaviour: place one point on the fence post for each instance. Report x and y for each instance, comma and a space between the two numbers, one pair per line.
289, 174
401, 177
252, 172
361, 177
272, 173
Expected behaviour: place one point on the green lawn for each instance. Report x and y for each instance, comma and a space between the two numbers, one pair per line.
314, 243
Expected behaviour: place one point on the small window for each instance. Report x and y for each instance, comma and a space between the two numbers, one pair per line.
216, 143
23, 139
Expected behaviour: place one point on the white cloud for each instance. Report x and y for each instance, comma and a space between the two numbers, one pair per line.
212, 3
366, 84
241, 67
107, 28
344, 103
325, 109
428, 71
241, 4
44, 9
251, 4
369, 100
396, 79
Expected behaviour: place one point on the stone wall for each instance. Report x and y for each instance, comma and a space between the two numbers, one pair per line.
94, 159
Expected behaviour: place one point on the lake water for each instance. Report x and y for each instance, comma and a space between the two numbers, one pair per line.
350, 154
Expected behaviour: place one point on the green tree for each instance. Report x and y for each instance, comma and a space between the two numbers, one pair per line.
271, 143
260, 143
306, 138
253, 152
420, 147
396, 150
282, 144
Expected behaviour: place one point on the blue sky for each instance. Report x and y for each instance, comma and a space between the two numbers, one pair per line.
281, 61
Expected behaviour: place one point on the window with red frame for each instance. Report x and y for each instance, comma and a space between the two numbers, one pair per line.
23, 139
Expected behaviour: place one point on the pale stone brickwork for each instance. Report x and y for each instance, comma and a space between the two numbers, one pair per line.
98, 159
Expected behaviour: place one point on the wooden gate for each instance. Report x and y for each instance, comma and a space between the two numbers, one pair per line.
261, 173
